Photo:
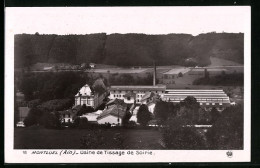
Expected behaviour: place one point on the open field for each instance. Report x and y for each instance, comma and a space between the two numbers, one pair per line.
41, 138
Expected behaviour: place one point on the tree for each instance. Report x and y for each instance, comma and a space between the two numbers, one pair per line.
189, 109
125, 120
227, 131
190, 102
214, 115
34, 117
180, 74
206, 73
83, 123
53, 120
143, 115
56, 104
84, 110
179, 134
163, 110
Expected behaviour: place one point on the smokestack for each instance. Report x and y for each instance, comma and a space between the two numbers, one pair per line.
154, 73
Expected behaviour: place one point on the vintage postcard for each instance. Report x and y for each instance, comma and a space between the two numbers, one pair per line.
127, 84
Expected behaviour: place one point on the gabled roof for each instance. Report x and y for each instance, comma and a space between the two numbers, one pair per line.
147, 96
115, 101
114, 110
97, 87
132, 107
99, 82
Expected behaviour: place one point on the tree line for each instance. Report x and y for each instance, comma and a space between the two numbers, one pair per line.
233, 79
126, 49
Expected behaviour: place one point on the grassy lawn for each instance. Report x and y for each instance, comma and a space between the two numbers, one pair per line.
41, 138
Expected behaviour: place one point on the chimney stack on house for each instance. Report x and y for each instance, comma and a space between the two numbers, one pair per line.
154, 73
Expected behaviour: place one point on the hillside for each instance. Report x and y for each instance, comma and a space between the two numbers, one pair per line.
127, 49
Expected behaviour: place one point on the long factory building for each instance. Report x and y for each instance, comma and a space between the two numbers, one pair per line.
206, 98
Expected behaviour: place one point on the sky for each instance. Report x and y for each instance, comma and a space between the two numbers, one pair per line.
147, 20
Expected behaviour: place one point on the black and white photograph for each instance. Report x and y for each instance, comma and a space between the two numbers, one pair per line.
127, 84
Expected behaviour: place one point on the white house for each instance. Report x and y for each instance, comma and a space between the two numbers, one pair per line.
91, 96
67, 115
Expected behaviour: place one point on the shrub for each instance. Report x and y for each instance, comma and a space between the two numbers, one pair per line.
98, 139
143, 115
179, 135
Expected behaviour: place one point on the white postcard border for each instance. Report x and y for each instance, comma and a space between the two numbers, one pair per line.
19, 156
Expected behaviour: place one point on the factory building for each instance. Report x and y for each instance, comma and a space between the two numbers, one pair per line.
206, 98
122, 92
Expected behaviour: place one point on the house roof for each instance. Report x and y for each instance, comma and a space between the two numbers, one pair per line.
90, 117
147, 96
115, 101
114, 110
132, 107
151, 102
177, 71
139, 88
99, 82
97, 87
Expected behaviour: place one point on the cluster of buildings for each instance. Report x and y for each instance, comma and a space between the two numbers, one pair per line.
123, 100
127, 99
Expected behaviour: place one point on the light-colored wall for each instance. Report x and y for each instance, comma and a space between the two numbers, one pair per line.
151, 108
109, 119
139, 95
93, 101
66, 119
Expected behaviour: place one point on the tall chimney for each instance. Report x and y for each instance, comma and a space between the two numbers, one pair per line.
154, 73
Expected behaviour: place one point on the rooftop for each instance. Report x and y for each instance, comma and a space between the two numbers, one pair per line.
115, 101
209, 69
114, 110
139, 87
177, 71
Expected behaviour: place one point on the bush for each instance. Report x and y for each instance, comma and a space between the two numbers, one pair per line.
83, 123
52, 120
143, 115
97, 139
33, 117
178, 135
227, 130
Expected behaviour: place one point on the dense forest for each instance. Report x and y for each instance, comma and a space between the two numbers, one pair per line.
127, 49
